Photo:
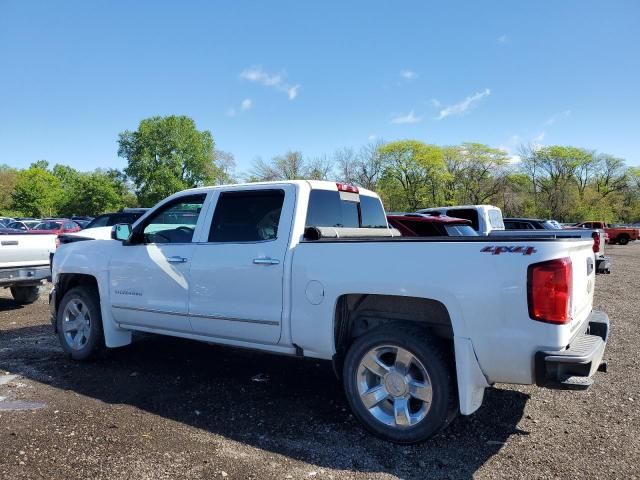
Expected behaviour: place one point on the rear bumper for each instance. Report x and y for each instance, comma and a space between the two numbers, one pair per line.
574, 366
24, 276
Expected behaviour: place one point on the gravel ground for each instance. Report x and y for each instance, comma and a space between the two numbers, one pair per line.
171, 409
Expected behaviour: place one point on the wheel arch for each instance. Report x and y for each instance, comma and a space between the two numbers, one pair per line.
356, 314
113, 335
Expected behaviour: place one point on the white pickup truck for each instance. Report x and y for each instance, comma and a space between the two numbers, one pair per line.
417, 328
24, 263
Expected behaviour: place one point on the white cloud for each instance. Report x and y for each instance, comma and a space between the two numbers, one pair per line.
231, 112
400, 118
273, 80
503, 38
292, 92
436, 103
557, 116
461, 107
408, 74
540, 137
246, 104
372, 137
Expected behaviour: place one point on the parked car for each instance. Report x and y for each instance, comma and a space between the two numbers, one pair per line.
57, 226
23, 225
484, 218
619, 235
24, 263
530, 224
424, 225
415, 326
126, 215
100, 227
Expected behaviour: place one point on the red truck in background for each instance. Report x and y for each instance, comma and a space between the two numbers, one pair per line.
619, 235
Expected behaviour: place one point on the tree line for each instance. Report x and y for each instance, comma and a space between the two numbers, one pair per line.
168, 154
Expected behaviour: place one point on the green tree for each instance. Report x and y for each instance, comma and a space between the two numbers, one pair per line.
413, 175
477, 172
8, 179
552, 171
167, 154
37, 192
93, 194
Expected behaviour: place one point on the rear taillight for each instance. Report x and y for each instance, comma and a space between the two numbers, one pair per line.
596, 242
549, 287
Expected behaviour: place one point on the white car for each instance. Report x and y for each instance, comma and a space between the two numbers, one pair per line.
416, 327
24, 263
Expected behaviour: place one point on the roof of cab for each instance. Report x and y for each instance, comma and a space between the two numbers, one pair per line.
313, 184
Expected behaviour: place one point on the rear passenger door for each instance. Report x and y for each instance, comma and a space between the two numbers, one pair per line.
237, 274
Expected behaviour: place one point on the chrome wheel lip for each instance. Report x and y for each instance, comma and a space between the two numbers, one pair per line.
76, 324
394, 386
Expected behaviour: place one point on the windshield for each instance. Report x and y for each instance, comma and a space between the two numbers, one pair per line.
460, 231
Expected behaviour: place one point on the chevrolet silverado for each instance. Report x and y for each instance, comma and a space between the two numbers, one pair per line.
417, 328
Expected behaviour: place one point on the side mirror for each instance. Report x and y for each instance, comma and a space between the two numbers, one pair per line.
121, 231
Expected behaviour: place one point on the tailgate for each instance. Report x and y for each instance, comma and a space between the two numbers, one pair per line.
584, 273
22, 250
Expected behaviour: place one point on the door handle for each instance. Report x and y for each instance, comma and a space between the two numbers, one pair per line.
266, 261
176, 259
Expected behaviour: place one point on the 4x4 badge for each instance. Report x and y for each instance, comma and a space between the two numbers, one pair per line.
524, 250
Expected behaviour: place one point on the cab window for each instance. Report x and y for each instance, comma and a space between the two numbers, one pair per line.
328, 208
247, 216
174, 222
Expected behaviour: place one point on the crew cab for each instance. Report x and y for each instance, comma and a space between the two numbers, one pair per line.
412, 325
619, 235
24, 263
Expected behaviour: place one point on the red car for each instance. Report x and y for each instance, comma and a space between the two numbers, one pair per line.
423, 225
56, 227
619, 235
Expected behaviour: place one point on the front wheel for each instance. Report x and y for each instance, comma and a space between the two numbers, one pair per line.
400, 384
623, 239
25, 295
79, 323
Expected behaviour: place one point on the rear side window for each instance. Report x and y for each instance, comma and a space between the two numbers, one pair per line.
329, 208
495, 219
250, 216
373, 215
460, 231
467, 214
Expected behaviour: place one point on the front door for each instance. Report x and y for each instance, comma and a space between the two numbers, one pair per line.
237, 275
149, 281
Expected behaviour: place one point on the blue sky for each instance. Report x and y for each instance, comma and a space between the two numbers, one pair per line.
266, 77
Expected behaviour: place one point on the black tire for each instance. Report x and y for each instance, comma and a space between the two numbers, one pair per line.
94, 344
623, 239
436, 359
25, 295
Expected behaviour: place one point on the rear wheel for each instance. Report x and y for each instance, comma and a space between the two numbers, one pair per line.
79, 323
25, 295
623, 239
400, 384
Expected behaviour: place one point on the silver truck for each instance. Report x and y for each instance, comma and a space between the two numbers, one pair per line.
25, 263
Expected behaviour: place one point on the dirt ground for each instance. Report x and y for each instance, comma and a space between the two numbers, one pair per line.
172, 409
